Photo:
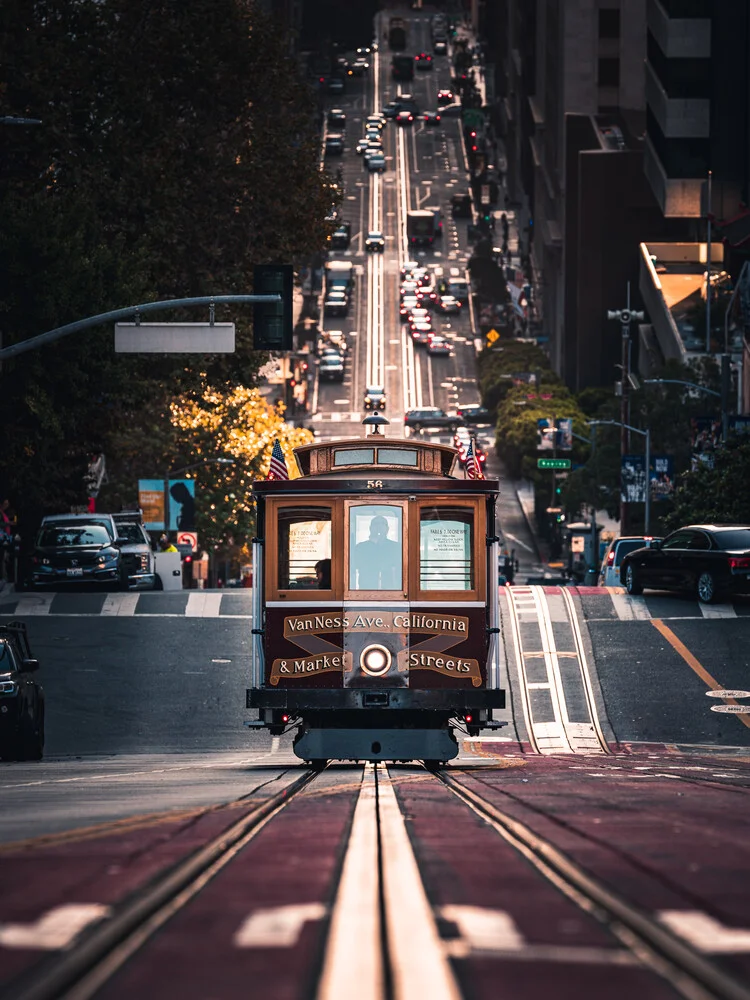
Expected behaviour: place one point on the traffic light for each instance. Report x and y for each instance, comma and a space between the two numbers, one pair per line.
273, 322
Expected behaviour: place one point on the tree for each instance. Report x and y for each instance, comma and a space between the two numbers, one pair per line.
718, 493
498, 366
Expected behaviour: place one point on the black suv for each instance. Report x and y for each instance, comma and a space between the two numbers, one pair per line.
431, 416
21, 698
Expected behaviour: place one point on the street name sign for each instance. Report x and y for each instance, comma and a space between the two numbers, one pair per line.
553, 463
174, 338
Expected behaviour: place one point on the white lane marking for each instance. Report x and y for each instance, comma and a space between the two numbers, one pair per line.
352, 965
202, 605
277, 928
629, 608
418, 960
705, 933
483, 929
120, 604
717, 610
726, 693
56, 929
34, 604
518, 541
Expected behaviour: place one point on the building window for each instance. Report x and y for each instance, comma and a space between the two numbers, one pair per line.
609, 72
609, 23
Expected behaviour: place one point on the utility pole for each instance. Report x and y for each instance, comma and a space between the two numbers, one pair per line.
625, 317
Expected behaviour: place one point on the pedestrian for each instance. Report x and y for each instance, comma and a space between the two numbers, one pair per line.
165, 545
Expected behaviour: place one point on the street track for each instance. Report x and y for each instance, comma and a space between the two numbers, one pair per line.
381, 929
554, 680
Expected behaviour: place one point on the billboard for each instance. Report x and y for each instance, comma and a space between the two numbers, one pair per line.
633, 479
151, 502
661, 477
181, 505
554, 434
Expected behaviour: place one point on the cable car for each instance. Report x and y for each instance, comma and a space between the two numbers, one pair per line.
375, 605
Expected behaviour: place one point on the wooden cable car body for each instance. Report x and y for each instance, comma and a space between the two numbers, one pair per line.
375, 618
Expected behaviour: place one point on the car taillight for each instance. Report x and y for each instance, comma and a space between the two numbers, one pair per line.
611, 558
739, 562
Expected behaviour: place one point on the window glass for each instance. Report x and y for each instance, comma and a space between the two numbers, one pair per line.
375, 547
58, 536
397, 456
304, 548
354, 456
623, 548
679, 540
445, 549
130, 532
699, 541
734, 538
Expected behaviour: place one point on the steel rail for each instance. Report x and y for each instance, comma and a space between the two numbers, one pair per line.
584, 668
689, 973
81, 971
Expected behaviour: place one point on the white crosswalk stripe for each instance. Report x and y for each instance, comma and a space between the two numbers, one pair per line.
203, 605
717, 610
628, 608
120, 604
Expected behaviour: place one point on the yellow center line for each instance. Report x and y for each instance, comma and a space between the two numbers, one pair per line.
695, 665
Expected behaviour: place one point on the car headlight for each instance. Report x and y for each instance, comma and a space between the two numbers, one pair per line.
8, 687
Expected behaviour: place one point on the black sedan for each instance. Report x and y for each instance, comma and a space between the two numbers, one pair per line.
431, 416
708, 560
67, 553
21, 697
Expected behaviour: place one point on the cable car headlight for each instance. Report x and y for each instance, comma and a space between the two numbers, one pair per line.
375, 660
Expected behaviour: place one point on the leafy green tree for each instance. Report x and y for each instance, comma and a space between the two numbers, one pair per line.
498, 365
717, 493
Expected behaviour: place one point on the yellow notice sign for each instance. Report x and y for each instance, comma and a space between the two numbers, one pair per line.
492, 336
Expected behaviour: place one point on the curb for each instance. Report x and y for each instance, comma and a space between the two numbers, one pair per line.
532, 530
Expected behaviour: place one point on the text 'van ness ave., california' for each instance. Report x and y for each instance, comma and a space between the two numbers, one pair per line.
381, 621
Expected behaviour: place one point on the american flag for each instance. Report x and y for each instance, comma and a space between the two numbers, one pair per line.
473, 470
278, 469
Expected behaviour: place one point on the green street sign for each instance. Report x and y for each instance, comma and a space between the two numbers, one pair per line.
553, 463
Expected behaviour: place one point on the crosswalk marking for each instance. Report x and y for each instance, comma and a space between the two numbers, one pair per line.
717, 611
120, 604
34, 604
201, 604
629, 608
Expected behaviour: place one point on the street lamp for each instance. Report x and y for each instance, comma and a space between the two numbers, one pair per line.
723, 395
647, 435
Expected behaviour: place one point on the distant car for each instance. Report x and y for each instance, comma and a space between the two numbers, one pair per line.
404, 118
423, 60
408, 303
359, 67
333, 340
374, 397
336, 119
420, 315
391, 109
412, 269
76, 551
136, 554
331, 368
334, 145
375, 241
431, 118
618, 548
474, 413
709, 560
440, 47
336, 303
335, 85
448, 304
369, 143
445, 97
375, 163
461, 206
430, 416
21, 697
408, 287
340, 238
375, 121
420, 334
438, 345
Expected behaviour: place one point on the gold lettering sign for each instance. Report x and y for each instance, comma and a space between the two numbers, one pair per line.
376, 621
448, 666
307, 666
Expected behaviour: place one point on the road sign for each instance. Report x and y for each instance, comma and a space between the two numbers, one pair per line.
492, 336
188, 538
485, 194
473, 118
174, 338
553, 463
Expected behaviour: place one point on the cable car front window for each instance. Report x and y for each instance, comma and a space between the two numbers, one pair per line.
445, 548
304, 548
375, 547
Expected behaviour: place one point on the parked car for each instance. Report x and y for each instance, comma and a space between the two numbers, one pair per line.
710, 560
136, 554
21, 697
77, 548
331, 368
375, 241
334, 145
474, 413
431, 118
375, 163
618, 548
430, 416
374, 397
